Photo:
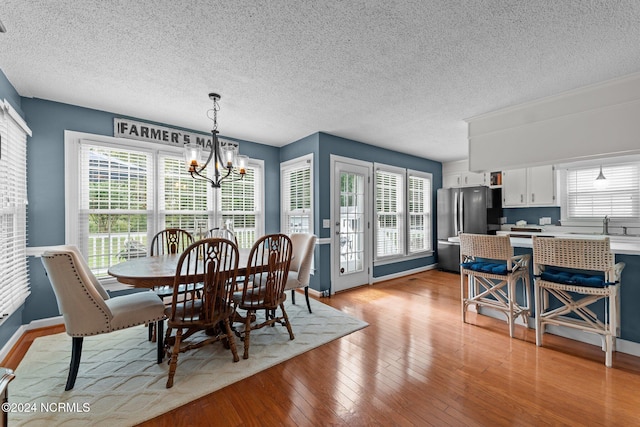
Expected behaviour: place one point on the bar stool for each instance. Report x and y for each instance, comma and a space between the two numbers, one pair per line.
571, 275
492, 272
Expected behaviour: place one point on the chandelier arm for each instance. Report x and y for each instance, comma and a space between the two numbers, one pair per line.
201, 168
197, 175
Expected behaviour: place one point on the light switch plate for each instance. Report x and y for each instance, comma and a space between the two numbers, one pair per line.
326, 223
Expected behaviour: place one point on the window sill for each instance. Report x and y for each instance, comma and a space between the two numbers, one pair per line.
401, 258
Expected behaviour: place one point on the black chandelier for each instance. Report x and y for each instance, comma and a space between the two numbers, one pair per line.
234, 166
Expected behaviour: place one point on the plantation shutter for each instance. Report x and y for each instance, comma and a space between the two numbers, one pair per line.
115, 219
240, 206
14, 275
419, 208
184, 201
297, 197
389, 213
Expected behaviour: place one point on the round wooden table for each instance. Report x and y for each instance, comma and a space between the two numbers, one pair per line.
158, 270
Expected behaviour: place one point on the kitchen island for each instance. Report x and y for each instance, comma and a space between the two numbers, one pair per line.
626, 249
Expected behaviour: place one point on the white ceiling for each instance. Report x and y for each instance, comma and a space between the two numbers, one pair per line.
397, 74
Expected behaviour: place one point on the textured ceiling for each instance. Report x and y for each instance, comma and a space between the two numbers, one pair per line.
397, 74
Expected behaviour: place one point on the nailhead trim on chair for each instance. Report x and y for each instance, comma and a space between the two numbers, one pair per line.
106, 315
79, 281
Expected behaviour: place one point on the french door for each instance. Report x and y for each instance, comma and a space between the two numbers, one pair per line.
351, 247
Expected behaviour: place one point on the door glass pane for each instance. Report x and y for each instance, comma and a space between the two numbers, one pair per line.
352, 225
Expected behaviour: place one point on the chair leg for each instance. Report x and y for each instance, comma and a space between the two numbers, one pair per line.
160, 340
76, 352
511, 295
247, 334
173, 363
286, 321
150, 331
231, 339
539, 309
293, 296
306, 295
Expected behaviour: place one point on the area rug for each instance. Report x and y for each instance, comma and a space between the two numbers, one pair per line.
119, 383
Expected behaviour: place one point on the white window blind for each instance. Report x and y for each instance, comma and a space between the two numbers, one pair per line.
185, 202
389, 213
115, 219
240, 206
297, 196
419, 210
620, 198
14, 280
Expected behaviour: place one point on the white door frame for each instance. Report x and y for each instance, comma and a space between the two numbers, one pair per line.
368, 259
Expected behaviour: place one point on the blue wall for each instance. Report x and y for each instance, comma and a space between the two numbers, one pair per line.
531, 215
45, 179
8, 92
323, 145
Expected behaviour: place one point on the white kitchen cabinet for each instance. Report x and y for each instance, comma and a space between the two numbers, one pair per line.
535, 186
514, 188
463, 179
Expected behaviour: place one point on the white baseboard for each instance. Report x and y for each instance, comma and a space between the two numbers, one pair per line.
36, 324
403, 273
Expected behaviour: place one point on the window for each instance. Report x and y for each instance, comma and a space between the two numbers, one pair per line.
184, 203
403, 217
619, 199
297, 195
241, 206
389, 211
419, 209
14, 280
127, 191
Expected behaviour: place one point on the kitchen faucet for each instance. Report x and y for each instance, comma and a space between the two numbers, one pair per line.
605, 225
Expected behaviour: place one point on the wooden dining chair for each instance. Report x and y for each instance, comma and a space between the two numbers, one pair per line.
223, 233
265, 279
170, 241
214, 264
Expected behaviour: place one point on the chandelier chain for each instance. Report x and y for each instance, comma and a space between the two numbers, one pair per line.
212, 113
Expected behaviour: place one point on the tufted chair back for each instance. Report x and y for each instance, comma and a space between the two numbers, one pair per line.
82, 305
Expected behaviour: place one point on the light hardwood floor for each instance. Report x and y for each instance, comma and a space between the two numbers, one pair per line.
418, 364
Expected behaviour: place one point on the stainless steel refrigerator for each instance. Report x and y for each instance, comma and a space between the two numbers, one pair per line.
465, 210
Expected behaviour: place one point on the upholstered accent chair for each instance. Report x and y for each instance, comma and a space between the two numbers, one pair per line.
574, 279
300, 270
88, 309
489, 273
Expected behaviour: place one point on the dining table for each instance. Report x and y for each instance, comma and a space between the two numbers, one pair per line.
159, 270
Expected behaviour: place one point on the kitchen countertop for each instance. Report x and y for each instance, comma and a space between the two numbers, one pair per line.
625, 245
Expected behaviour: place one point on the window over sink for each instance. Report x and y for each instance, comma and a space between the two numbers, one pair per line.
619, 200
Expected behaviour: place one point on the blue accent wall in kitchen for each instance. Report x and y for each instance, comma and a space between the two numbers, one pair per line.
531, 215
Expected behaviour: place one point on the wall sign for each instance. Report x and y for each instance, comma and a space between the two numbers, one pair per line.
131, 129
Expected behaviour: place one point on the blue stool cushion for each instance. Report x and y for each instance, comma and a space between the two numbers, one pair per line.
572, 278
486, 267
